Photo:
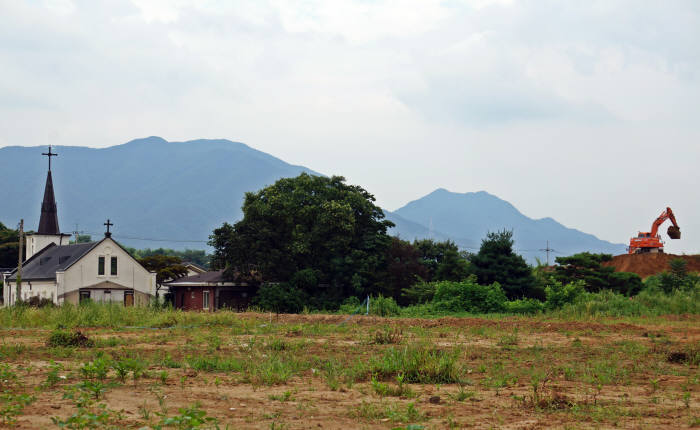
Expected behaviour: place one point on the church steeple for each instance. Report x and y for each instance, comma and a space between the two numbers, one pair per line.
48, 223
48, 231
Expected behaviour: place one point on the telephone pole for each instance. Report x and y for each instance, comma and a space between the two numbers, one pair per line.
19, 261
548, 249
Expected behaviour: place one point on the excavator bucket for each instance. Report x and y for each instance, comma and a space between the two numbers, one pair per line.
674, 232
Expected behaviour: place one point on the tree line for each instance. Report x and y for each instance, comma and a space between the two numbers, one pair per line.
317, 242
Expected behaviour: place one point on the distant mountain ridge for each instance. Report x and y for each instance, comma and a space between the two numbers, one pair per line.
466, 218
179, 191
150, 188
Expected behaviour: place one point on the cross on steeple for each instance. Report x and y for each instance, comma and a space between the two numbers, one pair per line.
50, 154
108, 224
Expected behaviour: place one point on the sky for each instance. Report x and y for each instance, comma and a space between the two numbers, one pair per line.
587, 112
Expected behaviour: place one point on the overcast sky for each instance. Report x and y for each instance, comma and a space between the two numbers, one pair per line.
585, 111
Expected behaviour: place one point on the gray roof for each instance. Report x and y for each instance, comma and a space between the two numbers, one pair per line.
204, 278
44, 264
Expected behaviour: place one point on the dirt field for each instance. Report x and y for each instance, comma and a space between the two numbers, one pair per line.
309, 371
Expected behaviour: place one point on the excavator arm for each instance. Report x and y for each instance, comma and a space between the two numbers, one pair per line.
674, 232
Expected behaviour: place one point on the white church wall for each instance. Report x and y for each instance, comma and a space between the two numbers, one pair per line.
130, 274
37, 242
41, 289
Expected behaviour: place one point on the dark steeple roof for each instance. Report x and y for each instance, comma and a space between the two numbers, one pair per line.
48, 224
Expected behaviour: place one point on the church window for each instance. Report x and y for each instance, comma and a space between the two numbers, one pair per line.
100, 266
113, 268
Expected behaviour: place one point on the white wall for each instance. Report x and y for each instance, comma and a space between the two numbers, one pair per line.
130, 274
37, 242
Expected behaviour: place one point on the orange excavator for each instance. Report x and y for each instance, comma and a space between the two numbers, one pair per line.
651, 241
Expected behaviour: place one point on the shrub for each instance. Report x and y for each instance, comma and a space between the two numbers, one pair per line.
280, 298
525, 306
558, 295
74, 339
469, 296
383, 306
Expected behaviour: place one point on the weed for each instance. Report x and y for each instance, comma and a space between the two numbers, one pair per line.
284, 397
462, 394
69, 339
387, 336
188, 418
418, 365
12, 406
52, 377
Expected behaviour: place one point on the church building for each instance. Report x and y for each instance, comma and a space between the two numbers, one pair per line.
62, 272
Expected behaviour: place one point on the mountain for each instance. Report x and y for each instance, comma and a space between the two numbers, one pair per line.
178, 192
467, 217
149, 188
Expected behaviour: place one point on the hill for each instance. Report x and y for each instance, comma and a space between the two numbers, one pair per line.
179, 191
468, 217
149, 188
649, 264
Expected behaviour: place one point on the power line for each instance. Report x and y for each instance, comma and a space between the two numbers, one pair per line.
151, 239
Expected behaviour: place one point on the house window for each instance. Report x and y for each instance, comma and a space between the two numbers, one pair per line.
205, 300
113, 263
101, 266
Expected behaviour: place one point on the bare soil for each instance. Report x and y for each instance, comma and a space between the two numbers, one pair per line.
515, 373
649, 264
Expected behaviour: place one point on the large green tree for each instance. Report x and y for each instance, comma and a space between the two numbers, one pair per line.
313, 223
496, 262
442, 260
404, 268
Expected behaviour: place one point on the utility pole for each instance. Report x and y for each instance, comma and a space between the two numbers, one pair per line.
548, 249
19, 260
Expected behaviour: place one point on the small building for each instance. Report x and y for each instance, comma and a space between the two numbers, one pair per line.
210, 291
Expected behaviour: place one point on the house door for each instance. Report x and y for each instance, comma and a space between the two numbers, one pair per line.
128, 298
84, 296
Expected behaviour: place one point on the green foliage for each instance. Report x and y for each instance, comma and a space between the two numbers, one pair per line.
307, 222
418, 364
196, 256
404, 266
648, 302
70, 339
559, 295
676, 278
9, 246
167, 268
280, 298
442, 260
525, 306
420, 292
588, 268
383, 306
468, 296
496, 262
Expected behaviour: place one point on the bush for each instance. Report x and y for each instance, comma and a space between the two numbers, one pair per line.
468, 296
280, 298
558, 295
383, 306
74, 339
525, 306
38, 302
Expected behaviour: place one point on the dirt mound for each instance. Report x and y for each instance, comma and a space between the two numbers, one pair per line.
649, 264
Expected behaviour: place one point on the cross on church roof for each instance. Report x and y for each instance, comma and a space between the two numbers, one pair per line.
50, 154
108, 224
